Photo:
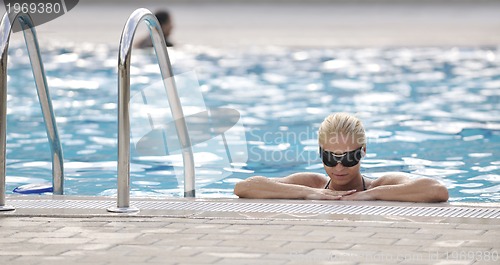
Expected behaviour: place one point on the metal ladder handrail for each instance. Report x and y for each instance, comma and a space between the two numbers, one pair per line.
127, 37
43, 96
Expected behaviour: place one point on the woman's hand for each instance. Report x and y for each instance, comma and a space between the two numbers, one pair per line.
327, 194
358, 196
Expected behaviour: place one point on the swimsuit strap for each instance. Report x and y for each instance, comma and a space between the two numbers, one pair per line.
328, 184
362, 178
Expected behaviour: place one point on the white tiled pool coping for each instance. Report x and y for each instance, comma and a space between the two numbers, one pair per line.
46, 204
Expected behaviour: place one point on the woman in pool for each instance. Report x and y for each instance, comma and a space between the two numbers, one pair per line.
342, 144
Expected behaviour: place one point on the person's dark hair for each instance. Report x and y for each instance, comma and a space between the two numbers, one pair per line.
162, 16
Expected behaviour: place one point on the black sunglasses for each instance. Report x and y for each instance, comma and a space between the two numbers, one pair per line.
347, 159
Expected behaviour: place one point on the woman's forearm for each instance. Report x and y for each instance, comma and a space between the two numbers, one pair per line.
419, 190
263, 188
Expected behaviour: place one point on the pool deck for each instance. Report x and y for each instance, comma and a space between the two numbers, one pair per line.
58, 234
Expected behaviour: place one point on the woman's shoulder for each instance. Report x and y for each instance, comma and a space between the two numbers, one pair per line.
310, 179
387, 178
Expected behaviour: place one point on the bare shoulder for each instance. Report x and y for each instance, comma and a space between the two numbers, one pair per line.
389, 179
313, 180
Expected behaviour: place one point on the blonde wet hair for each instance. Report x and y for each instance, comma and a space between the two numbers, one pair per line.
341, 126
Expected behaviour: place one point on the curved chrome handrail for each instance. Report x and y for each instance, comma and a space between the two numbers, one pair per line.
138, 16
43, 96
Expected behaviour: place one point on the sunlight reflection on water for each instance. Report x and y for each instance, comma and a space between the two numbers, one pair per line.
428, 111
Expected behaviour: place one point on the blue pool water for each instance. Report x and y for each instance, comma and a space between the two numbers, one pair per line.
427, 111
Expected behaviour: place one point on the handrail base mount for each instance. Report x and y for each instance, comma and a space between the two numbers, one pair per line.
6, 208
130, 209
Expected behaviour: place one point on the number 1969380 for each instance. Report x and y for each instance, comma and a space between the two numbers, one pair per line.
34, 8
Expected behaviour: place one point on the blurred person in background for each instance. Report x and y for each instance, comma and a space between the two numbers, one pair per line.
165, 20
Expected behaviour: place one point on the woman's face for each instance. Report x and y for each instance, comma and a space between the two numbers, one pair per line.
340, 174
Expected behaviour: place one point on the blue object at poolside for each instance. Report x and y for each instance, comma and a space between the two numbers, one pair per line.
38, 188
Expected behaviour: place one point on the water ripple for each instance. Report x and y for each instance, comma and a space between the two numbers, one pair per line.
428, 111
